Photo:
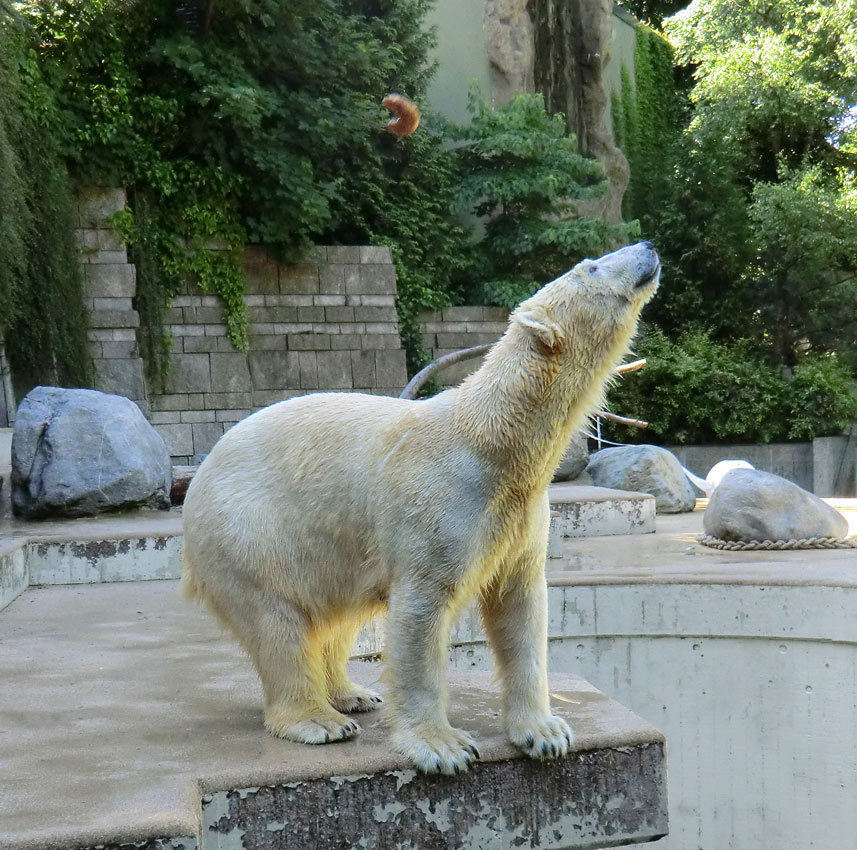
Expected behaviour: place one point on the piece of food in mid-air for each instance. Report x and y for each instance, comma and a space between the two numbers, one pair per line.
406, 115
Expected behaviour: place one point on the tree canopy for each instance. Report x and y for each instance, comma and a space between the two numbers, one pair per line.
761, 229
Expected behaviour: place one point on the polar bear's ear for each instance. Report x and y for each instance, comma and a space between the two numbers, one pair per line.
543, 328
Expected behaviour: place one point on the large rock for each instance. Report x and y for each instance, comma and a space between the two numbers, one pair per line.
81, 452
574, 460
510, 45
644, 469
749, 504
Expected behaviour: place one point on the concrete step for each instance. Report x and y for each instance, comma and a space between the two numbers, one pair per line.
129, 718
147, 544
580, 510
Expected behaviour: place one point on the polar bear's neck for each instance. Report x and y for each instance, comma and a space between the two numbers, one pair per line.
520, 409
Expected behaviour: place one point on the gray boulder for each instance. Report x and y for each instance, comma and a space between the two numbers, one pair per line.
81, 452
749, 504
574, 460
644, 469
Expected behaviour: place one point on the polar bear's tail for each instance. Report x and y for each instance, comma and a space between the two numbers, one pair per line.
190, 587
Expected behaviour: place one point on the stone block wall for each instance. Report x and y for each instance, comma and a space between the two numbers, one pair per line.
445, 331
110, 287
328, 324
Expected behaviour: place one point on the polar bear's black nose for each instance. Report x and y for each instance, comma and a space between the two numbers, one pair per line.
648, 245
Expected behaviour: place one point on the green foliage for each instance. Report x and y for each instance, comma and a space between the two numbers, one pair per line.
43, 317
653, 12
523, 174
756, 234
646, 122
407, 205
804, 272
697, 390
244, 120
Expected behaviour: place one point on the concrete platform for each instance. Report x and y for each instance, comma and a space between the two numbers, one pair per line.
580, 510
126, 717
145, 544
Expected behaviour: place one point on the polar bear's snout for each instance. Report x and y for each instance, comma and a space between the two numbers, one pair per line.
629, 269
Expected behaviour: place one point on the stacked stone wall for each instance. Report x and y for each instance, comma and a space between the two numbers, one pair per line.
110, 287
445, 331
329, 324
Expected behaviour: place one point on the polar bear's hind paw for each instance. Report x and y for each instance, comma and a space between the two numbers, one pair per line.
544, 737
435, 749
322, 729
355, 699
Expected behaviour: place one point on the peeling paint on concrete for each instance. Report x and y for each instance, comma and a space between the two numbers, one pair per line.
150, 844
600, 798
90, 561
625, 514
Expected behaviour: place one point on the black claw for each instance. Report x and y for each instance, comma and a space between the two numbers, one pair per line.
544, 748
327, 737
530, 741
456, 768
553, 750
474, 751
437, 766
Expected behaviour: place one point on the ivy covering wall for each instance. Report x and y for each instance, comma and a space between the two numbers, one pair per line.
646, 126
43, 316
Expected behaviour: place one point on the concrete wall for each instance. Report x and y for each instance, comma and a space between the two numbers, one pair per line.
827, 466
7, 396
327, 324
460, 55
622, 52
752, 680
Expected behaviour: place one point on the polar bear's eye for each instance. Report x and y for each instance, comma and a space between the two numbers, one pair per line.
593, 268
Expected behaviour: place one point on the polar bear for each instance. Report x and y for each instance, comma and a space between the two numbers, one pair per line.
313, 514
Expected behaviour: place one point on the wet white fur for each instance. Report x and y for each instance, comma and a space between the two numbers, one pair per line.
313, 514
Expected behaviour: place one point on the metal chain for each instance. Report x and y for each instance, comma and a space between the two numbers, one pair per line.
778, 545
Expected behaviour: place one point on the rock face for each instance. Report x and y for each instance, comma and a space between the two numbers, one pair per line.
749, 504
572, 46
81, 452
644, 469
574, 460
509, 42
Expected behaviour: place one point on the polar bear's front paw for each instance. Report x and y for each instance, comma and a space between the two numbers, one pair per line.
437, 749
354, 698
541, 737
319, 729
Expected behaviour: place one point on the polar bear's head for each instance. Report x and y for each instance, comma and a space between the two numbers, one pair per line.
592, 309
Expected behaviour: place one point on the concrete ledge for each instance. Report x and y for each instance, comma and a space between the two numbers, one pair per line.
95, 560
583, 801
586, 511
130, 718
14, 577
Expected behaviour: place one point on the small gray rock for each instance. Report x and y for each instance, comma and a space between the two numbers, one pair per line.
574, 460
81, 452
749, 504
644, 469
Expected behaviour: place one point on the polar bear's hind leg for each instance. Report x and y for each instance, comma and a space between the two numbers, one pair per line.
345, 695
287, 654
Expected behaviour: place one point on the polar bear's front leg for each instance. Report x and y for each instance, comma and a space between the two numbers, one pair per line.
416, 648
514, 613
